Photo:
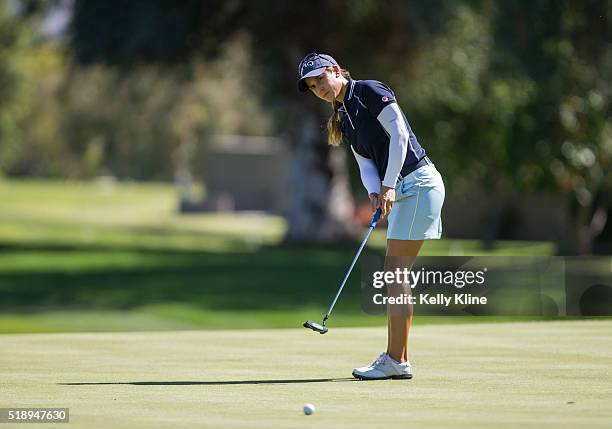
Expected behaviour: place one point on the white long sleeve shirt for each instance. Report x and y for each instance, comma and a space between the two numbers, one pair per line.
393, 122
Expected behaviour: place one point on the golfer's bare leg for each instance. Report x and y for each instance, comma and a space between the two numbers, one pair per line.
404, 252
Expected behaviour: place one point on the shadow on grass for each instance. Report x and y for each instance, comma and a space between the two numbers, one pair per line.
266, 278
215, 383
270, 278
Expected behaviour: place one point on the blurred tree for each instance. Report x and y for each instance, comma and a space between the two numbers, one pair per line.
85, 121
569, 57
15, 39
42, 149
510, 95
19, 22
562, 138
171, 32
516, 96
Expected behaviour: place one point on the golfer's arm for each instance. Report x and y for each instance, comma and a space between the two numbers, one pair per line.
369, 174
392, 120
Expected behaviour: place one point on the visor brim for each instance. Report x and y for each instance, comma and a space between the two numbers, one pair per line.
316, 72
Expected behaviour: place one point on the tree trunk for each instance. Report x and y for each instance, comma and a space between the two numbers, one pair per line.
583, 236
589, 222
320, 203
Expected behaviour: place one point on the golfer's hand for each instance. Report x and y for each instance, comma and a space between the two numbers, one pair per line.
385, 199
374, 201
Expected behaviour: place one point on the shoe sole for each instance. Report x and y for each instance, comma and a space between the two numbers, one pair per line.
391, 377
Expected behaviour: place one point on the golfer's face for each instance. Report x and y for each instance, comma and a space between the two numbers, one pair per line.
322, 86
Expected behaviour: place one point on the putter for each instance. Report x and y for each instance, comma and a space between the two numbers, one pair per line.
321, 328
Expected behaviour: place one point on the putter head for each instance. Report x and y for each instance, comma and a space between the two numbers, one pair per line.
311, 324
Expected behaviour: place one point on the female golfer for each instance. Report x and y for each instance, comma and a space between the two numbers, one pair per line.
398, 176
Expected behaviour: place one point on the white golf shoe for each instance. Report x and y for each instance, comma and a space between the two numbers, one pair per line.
383, 368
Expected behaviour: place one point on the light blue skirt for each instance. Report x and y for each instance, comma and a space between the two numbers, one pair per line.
417, 211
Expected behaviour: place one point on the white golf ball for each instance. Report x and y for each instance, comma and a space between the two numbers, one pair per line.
309, 409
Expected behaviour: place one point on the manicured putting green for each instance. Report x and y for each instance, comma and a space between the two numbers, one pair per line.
504, 375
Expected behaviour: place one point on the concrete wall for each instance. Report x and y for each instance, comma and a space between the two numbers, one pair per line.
246, 173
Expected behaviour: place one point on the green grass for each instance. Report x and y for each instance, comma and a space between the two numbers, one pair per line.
513, 375
95, 256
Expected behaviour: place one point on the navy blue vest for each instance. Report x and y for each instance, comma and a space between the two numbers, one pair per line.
363, 101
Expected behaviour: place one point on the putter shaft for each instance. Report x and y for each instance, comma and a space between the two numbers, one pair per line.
348, 273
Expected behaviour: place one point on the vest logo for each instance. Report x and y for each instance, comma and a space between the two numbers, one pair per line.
385, 99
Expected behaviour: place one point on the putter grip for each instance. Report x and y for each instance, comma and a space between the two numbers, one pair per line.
376, 217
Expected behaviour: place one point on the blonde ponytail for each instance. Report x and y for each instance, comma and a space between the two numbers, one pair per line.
334, 134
